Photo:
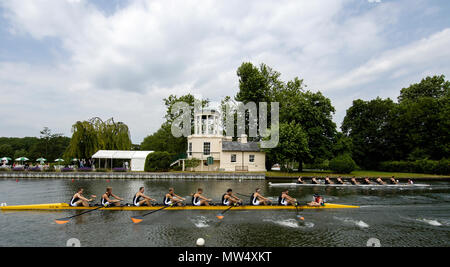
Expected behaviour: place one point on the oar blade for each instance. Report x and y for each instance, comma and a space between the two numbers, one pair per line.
220, 216
62, 221
300, 217
137, 219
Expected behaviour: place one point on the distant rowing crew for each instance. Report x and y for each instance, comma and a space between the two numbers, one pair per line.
353, 181
170, 199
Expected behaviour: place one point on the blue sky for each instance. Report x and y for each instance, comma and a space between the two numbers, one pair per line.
68, 60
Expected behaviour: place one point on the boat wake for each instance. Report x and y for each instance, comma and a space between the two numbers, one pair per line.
291, 223
350, 221
200, 222
430, 222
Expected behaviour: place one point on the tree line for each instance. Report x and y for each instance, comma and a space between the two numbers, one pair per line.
373, 133
87, 138
48, 145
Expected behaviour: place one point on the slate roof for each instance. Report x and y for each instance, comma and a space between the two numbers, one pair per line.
237, 146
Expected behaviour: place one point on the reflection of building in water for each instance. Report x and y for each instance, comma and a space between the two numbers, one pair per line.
220, 153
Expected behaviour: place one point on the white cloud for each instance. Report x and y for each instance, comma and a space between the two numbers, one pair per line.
123, 63
398, 62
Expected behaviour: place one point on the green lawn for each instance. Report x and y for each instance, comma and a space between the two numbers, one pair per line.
355, 173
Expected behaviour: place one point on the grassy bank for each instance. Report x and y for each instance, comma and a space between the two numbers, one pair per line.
278, 174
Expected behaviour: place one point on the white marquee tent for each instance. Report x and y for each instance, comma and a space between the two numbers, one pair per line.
137, 158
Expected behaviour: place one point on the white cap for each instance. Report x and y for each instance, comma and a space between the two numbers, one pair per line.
200, 242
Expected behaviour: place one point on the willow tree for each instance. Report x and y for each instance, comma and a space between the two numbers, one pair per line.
95, 134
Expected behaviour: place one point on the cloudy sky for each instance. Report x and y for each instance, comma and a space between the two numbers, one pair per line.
68, 60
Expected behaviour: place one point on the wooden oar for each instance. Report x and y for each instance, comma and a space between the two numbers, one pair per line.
139, 219
300, 217
67, 219
220, 216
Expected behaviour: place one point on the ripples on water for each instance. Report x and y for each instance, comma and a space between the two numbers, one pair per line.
398, 217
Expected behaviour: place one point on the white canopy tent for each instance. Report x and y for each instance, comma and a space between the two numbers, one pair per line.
137, 158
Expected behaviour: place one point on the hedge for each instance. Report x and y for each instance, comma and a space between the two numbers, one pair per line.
342, 164
419, 166
158, 162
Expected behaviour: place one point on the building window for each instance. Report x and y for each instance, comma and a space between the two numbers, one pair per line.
206, 148
233, 157
190, 149
251, 158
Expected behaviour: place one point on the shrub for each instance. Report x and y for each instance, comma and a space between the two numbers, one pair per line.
158, 162
4, 169
177, 168
419, 166
342, 164
85, 169
18, 169
66, 170
192, 163
101, 170
119, 170
443, 166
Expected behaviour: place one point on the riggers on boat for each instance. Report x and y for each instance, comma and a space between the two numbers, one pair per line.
65, 206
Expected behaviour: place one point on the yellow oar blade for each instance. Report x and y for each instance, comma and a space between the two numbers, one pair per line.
62, 221
136, 220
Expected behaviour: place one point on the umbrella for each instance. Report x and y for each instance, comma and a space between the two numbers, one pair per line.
41, 159
22, 159
59, 160
74, 159
6, 158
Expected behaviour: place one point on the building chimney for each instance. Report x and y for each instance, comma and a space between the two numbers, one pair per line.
243, 139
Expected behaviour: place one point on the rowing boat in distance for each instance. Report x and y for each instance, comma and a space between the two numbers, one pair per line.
65, 206
351, 185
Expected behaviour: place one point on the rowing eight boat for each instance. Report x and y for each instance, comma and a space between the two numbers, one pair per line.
65, 206
350, 185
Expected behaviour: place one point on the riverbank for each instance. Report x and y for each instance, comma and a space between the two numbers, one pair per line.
370, 174
272, 175
135, 175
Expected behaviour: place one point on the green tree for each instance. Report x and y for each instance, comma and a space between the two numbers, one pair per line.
6, 150
342, 164
158, 162
162, 139
421, 119
253, 85
192, 163
173, 99
20, 153
367, 124
312, 111
256, 84
90, 136
433, 87
293, 144
46, 135
50, 146
342, 145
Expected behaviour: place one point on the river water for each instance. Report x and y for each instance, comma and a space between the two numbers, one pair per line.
410, 216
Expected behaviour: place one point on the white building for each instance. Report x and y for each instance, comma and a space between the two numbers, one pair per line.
219, 153
136, 158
